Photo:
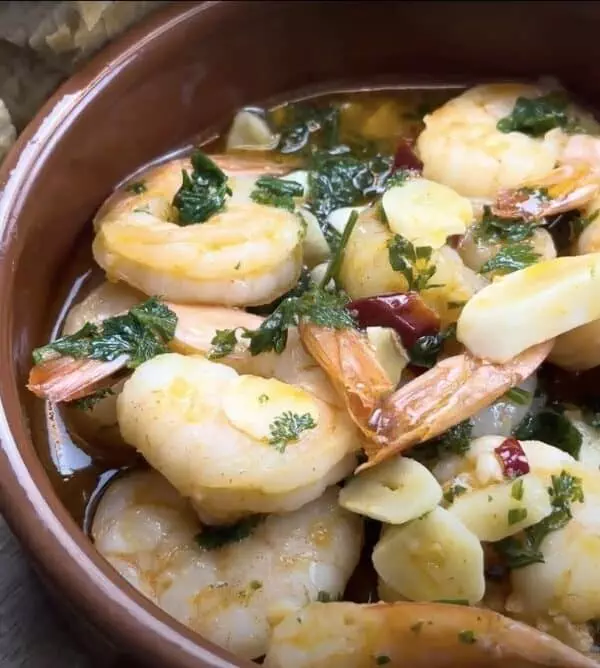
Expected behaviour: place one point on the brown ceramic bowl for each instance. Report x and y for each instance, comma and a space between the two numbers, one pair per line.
184, 70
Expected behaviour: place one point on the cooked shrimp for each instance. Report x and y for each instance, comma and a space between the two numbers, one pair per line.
247, 254
415, 635
235, 444
454, 390
366, 269
230, 595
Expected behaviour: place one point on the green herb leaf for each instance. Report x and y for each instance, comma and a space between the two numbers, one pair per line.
516, 491
412, 262
255, 585
552, 427
516, 515
525, 550
511, 258
453, 491
426, 349
337, 257
455, 440
215, 537
202, 193
467, 637
518, 396
301, 120
142, 333
495, 229
276, 192
136, 187
326, 597
535, 117
87, 403
222, 344
316, 305
287, 427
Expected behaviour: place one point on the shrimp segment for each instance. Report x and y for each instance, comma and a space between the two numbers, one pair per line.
247, 254
412, 635
455, 389
214, 435
352, 367
231, 594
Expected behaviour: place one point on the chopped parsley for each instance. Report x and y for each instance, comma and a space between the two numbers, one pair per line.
202, 193
287, 427
337, 257
302, 120
412, 262
136, 187
467, 637
255, 585
142, 333
316, 305
553, 427
425, 350
511, 258
215, 537
518, 396
276, 192
535, 117
455, 441
516, 491
222, 344
263, 398
453, 491
87, 403
494, 228
516, 515
525, 550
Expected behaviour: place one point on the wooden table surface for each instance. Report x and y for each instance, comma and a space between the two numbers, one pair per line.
32, 634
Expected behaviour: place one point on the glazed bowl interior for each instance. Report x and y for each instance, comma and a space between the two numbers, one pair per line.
170, 80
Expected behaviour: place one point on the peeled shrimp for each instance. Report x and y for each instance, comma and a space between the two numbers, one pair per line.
412, 635
462, 147
247, 254
230, 595
366, 269
209, 431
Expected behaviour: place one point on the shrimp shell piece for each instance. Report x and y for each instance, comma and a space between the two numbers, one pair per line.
67, 378
413, 635
352, 367
454, 390
569, 187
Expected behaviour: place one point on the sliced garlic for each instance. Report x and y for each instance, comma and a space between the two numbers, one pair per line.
315, 246
432, 558
501, 510
426, 213
250, 132
529, 306
389, 351
395, 492
252, 404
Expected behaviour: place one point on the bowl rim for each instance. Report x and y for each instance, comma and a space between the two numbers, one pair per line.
57, 546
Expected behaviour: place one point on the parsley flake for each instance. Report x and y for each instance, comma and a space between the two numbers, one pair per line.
535, 117
222, 344
516, 515
518, 396
412, 262
202, 193
276, 192
136, 187
142, 333
287, 427
467, 637
516, 491
88, 403
215, 537
511, 258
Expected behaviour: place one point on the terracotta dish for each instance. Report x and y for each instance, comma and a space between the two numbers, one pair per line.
176, 77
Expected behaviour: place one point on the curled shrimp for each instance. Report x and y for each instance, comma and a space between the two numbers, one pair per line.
246, 254
419, 635
230, 594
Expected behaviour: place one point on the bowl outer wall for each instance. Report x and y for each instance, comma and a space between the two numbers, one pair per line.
182, 70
